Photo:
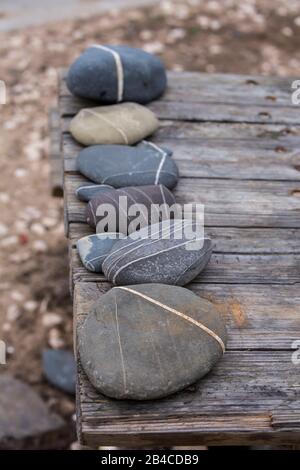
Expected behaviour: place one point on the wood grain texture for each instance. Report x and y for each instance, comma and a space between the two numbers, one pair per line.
230, 239
224, 268
219, 98
227, 203
217, 409
219, 158
236, 140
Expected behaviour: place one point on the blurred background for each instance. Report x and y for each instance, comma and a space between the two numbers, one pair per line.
253, 37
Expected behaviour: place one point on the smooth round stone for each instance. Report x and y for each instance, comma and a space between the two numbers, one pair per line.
122, 165
148, 341
151, 207
93, 249
111, 74
125, 123
160, 253
85, 192
60, 369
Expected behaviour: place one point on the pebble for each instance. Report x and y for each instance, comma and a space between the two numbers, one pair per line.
4, 198
24, 417
125, 123
122, 165
39, 246
86, 191
59, 369
51, 319
20, 173
123, 203
55, 340
37, 229
17, 296
3, 230
112, 74
151, 255
49, 222
12, 313
9, 241
93, 249
31, 305
149, 341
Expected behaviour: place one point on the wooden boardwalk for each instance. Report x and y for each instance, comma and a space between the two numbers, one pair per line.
236, 140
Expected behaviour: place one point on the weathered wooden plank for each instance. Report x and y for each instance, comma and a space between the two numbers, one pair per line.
286, 419
223, 88
227, 203
225, 268
231, 239
216, 112
257, 317
261, 134
212, 158
216, 409
214, 98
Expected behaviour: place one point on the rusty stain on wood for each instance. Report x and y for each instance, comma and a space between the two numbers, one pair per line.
238, 314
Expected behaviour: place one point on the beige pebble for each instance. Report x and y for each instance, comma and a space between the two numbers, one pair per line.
17, 296
19, 257
4, 198
154, 47
121, 124
12, 313
9, 241
30, 305
49, 222
50, 320
6, 327
37, 229
3, 230
55, 340
39, 246
20, 173
286, 31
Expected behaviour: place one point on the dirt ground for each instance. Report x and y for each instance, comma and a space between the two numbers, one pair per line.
260, 37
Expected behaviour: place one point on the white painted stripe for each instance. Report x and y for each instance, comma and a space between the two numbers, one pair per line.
180, 314
119, 67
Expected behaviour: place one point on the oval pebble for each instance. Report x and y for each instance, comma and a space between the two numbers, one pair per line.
153, 255
125, 123
93, 249
122, 165
151, 202
149, 341
85, 192
111, 74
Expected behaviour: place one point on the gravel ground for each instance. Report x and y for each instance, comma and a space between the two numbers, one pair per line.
213, 36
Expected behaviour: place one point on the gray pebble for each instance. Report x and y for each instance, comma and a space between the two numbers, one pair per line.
111, 74
122, 165
152, 256
149, 341
93, 249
